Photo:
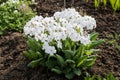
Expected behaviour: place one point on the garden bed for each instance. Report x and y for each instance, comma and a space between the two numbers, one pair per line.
13, 65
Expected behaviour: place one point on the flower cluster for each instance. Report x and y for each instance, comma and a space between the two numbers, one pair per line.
9, 2
65, 24
14, 1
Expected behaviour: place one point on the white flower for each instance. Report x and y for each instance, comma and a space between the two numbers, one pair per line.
49, 49
14, 1
67, 23
88, 22
59, 44
2, 4
15, 11
69, 14
37, 18
85, 39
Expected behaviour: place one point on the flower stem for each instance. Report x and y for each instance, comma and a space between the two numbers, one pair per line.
64, 3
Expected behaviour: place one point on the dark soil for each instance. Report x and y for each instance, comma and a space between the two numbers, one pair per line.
13, 65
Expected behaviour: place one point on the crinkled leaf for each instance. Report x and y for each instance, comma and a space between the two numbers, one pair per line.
71, 63
60, 60
68, 54
51, 62
58, 71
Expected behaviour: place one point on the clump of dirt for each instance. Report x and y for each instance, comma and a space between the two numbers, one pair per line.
12, 46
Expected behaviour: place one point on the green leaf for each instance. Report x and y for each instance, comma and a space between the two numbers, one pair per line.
68, 54
69, 75
99, 78
88, 77
93, 77
95, 51
110, 77
34, 63
77, 71
27, 54
71, 63
88, 63
112, 2
80, 51
60, 60
93, 36
105, 2
96, 43
67, 69
51, 62
67, 44
58, 71
96, 3
117, 5
1, 32
32, 55
89, 52
33, 44
81, 60
118, 47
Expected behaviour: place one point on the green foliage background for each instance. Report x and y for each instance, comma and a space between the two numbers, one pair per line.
13, 16
115, 4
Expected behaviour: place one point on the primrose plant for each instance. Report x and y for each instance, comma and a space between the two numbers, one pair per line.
61, 42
